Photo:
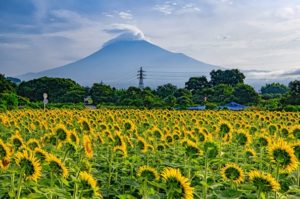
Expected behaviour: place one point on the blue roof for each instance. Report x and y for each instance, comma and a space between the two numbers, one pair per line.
233, 106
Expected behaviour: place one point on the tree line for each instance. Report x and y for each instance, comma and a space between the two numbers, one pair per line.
224, 86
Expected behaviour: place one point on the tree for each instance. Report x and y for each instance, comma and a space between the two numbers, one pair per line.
102, 93
274, 88
295, 88
197, 83
183, 97
245, 94
6, 85
293, 97
229, 77
58, 89
166, 90
222, 94
200, 95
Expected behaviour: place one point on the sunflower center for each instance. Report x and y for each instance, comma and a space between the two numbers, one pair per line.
262, 184
17, 143
56, 168
61, 134
149, 175
262, 142
297, 152
296, 133
232, 173
27, 167
242, 139
3, 152
282, 157
224, 129
211, 150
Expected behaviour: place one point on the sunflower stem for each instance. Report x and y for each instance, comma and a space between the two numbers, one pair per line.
277, 177
20, 185
298, 176
51, 183
205, 177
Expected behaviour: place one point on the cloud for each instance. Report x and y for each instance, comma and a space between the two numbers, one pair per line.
169, 8
272, 75
125, 15
289, 12
124, 32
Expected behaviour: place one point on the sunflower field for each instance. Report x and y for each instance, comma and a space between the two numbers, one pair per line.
153, 154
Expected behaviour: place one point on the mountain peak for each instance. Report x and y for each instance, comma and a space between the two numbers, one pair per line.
125, 33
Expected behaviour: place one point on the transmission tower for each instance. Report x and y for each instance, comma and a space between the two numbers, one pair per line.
141, 76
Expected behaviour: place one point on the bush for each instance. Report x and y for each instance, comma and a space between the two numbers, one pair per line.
9, 100
211, 106
292, 108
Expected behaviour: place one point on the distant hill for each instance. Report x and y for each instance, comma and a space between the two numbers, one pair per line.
14, 80
117, 62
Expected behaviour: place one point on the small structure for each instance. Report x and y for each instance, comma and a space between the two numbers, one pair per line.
196, 108
233, 106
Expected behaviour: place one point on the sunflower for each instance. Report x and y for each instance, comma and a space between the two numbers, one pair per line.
264, 182
295, 130
191, 148
263, 140
283, 155
87, 144
56, 166
122, 149
17, 140
232, 172
148, 172
175, 180
29, 164
4, 163
33, 143
4, 150
249, 152
210, 149
296, 148
243, 138
40, 154
62, 134
225, 131
89, 185
142, 144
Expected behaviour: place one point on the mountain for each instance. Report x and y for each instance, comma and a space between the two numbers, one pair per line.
118, 61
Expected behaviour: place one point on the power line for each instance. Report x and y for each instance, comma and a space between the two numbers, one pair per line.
141, 76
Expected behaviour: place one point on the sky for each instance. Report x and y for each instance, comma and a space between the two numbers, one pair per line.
246, 34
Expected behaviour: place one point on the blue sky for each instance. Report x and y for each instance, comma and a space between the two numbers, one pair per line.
246, 34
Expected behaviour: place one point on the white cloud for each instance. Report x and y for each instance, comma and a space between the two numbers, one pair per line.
169, 8
125, 15
124, 32
289, 12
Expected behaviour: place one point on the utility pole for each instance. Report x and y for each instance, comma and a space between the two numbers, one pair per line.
141, 76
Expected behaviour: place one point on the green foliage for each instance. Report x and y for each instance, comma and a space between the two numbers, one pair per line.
292, 108
166, 90
245, 94
102, 93
229, 77
6, 85
197, 83
8, 101
211, 106
222, 94
274, 88
58, 89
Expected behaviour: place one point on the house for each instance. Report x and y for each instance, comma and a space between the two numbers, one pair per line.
233, 106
